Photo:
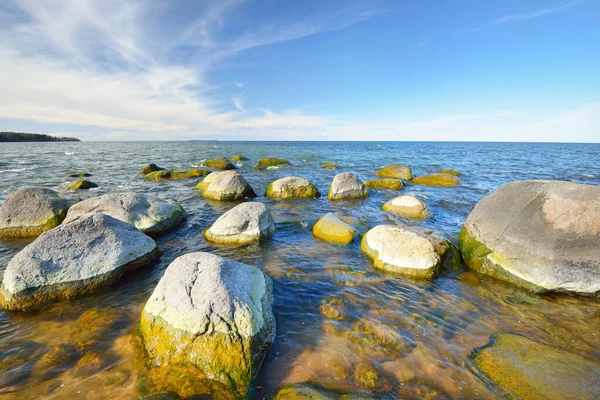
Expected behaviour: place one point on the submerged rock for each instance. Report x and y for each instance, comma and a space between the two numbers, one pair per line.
92, 327
385, 184
524, 369
219, 163
169, 395
346, 186
396, 171
450, 172
539, 235
74, 259
225, 185
332, 228
265, 163
328, 165
150, 214
81, 185
245, 223
333, 308
409, 251
292, 187
377, 339
176, 175
437, 180
239, 157
80, 175
407, 206
150, 168
57, 360
304, 391
89, 364
30, 212
208, 325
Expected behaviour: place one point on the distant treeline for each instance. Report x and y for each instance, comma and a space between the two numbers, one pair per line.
33, 137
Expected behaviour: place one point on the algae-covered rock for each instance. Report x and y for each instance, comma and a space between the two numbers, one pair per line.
245, 223
219, 163
176, 175
304, 391
450, 172
367, 377
539, 235
333, 308
92, 326
265, 163
57, 360
150, 168
332, 229
396, 171
407, 206
74, 259
225, 185
328, 165
90, 364
81, 184
521, 368
385, 184
346, 186
407, 250
239, 157
80, 175
377, 339
168, 395
207, 326
292, 187
30, 212
437, 180
150, 214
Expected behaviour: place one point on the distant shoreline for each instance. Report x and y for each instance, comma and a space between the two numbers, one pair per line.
33, 137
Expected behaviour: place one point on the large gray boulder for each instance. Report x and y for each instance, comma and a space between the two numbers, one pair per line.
539, 235
31, 211
150, 214
225, 185
207, 326
74, 259
346, 186
244, 223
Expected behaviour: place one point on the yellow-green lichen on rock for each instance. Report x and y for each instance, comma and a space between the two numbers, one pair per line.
176, 175
385, 184
437, 180
292, 187
267, 162
396, 171
81, 184
332, 229
219, 163
521, 368
450, 172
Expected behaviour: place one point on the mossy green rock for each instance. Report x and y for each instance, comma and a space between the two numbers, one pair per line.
385, 184
219, 163
207, 327
239, 157
450, 172
437, 180
396, 171
30, 212
265, 163
80, 175
304, 391
176, 175
81, 184
521, 368
328, 165
292, 187
332, 228
150, 168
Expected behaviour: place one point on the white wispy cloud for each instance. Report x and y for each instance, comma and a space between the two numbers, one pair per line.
527, 15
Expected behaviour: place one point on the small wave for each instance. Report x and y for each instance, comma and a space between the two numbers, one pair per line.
13, 170
69, 153
274, 167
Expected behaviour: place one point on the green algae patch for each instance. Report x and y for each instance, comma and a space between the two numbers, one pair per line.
328, 165
385, 184
92, 327
444, 180
450, 172
520, 368
239, 157
81, 184
176, 175
333, 308
265, 163
32, 231
376, 339
304, 391
219, 163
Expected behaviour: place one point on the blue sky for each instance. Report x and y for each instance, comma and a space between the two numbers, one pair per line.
507, 70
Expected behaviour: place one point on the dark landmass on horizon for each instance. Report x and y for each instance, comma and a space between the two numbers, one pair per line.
33, 137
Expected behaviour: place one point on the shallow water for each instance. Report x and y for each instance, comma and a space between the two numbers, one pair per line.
418, 334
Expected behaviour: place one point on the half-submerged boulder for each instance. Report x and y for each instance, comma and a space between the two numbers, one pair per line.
244, 223
521, 368
385, 184
80, 175
81, 184
346, 186
176, 175
74, 259
150, 168
150, 214
219, 163
539, 235
396, 171
407, 206
207, 326
437, 180
225, 185
292, 187
450, 172
30, 212
406, 250
265, 163
332, 229
239, 157
328, 165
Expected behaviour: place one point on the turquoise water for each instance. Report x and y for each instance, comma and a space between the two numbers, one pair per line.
440, 322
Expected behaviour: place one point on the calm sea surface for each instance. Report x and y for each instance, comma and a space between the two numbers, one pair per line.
418, 334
